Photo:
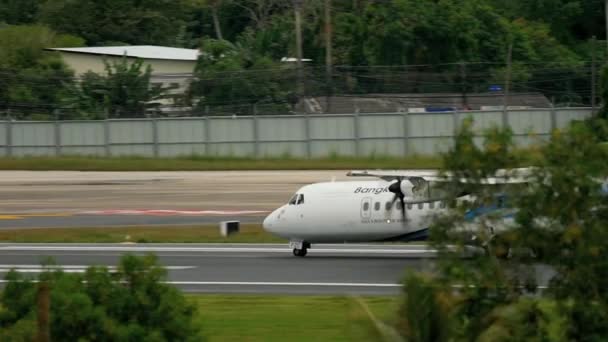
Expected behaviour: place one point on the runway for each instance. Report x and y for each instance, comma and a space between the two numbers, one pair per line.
372, 269
245, 268
37, 199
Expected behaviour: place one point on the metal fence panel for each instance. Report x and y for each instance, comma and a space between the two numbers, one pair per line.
131, 137
33, 138
282, 128
180, 137
426, 125
334, 127
82, 138
482, 120
429, 145
564, 116
4, 127
395, 134
382, 147
381, 126
526, 122
231, 129
283, 149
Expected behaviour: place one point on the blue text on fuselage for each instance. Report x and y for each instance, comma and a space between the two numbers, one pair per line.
375, 191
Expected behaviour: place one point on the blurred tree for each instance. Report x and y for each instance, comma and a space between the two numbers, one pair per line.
132, 304
31, 79
229, 73
17, 12
559, 229
116, 22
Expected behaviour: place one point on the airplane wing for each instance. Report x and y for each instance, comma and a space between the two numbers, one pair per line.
503, 176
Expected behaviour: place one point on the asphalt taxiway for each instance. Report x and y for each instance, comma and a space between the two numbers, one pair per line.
36, 199
244, 268
370, 269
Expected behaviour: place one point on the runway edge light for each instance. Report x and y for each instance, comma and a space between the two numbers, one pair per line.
229, 227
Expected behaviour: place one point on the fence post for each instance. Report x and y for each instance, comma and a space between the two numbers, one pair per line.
106, 137
256, 139
9, 136
57, 137
406, 134
207, 131
155, 137
307, 135
553, 114
357, 134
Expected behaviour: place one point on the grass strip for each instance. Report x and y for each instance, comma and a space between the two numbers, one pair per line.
291, 318
252, 233
199, 163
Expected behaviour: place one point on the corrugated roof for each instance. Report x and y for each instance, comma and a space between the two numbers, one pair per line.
138, 51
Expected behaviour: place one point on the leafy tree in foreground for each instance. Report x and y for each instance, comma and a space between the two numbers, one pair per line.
131, 304
559, 232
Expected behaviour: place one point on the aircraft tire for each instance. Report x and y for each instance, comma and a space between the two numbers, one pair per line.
300, 252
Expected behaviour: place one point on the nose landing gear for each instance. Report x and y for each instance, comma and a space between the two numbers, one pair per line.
300, 252
300, 248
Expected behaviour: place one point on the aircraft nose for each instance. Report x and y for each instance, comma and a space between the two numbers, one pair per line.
269, 223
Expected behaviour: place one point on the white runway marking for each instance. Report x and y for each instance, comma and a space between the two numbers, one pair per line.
70, 268
214, 249
171, 212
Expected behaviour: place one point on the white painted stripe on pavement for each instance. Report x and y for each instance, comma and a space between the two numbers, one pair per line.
211, 249
76, 267
269, 283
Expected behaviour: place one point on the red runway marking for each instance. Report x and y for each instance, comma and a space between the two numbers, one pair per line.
165, 212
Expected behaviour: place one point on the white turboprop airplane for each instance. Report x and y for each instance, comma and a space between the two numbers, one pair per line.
397, 206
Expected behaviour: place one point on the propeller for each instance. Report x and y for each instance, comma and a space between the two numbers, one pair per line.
396, 189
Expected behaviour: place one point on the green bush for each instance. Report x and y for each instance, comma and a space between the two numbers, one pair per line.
131, 304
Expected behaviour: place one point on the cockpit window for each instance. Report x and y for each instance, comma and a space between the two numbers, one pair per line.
301, 199
293, 200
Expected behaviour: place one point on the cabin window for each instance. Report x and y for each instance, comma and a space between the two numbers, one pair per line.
377, 206
301, 199
293, 200
420, 205
366, 206
442, 204
388, 206
398, 205
410, 206
432, 205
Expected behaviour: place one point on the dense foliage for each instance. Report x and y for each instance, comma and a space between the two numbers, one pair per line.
550, 286
418, 43
131, 304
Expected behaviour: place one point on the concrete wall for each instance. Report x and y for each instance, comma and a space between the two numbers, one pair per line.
395, 134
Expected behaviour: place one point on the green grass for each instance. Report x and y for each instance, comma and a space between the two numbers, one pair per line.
291, 318
200, 163
252, 233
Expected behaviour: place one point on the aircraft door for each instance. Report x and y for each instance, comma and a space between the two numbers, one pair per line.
366, 207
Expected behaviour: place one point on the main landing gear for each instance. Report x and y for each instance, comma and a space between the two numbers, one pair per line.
300, 248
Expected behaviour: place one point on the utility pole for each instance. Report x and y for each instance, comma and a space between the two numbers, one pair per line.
463, 80
593, 76
606, 14
505, 113
328, 56
297, 5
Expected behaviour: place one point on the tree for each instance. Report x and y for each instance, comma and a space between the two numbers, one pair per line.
33, 80
559, 223
228, 73
131, 304
116, 22
18, 12
123, 91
